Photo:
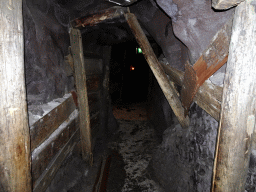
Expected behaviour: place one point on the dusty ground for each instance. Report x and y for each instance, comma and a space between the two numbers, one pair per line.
130, 149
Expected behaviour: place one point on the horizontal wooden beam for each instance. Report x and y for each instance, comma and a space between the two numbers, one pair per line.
166, 86
208, 96
43, 155
45, 126
104, 15
225, 4
46, 178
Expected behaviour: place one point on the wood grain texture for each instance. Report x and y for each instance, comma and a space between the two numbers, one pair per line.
214, 57
225, 4
208, 97
80, 79
157, 70
238, 110
114, 12
15, 155
45, 126
46, 178
40, 160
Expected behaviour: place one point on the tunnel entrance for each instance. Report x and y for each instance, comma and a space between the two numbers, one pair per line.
129, 74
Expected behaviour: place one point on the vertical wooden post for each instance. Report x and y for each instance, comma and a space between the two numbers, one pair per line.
105, 94
15, 158
80, 78
237, 123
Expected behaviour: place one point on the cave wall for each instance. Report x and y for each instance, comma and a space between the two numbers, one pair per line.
46, 44
184, 160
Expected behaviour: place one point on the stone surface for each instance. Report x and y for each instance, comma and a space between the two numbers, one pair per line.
194, 23
46, 43
184, 160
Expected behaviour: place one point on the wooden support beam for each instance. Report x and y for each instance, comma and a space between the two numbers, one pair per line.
15, 163
214, 57
46, 178
166, 86
104, 15
105, 88
238, 110
208, 96
45, 126
43, 155
225, 4
80, 78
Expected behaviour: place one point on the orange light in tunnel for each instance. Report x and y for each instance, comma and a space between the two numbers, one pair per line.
132, 68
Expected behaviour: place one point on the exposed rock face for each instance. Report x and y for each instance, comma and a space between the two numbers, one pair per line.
159, 26
184, 160
46, 43
194, 22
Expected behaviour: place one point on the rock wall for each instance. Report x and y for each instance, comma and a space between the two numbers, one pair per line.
194, 22
184, 159
46, 44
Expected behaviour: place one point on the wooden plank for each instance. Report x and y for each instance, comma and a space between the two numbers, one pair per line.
80, 78
41, 157
46, 178
214, 57
208, 97
238, 110
93, 83
105, 97
15, 167
157, 70
100, 184
45, 126
225, 4
99, 17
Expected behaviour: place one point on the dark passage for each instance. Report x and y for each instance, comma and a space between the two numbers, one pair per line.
129, 74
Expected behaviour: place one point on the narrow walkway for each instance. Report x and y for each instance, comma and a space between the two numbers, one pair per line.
135, 143
131, 151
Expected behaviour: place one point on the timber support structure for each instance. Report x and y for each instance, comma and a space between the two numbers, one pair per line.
15, 156
238, 110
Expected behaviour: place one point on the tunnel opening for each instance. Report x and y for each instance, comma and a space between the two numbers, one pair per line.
150, 151
129, 74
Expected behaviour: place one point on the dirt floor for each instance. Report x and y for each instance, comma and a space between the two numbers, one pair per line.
128, 153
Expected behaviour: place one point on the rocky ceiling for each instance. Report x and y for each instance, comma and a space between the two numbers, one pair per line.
183, 29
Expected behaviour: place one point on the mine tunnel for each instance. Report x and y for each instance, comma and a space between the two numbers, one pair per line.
127, 95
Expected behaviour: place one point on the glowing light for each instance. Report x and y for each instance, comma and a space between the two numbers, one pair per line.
132, 68
138, 50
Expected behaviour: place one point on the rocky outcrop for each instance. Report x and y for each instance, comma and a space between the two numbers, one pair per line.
184, 160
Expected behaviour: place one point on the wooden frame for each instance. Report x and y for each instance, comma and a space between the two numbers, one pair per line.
15, 164
166, 86
80, 78
238, 109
